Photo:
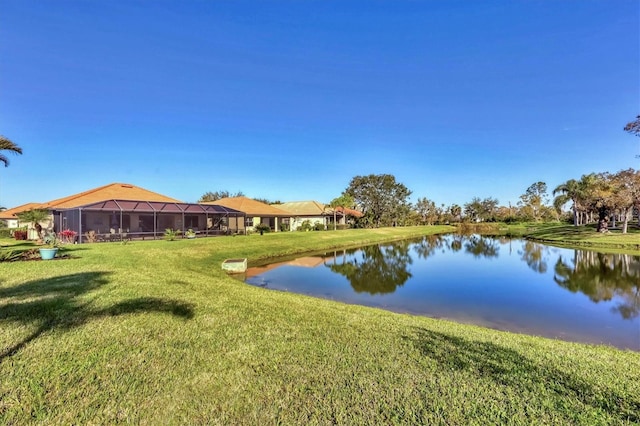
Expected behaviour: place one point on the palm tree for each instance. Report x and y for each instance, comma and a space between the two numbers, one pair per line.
7, 145
569, 191
34, 216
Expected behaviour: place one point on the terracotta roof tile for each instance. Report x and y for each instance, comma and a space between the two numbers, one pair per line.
350, 212
250, 207
11, 213
113, 191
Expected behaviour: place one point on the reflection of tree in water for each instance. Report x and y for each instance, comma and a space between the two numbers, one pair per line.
428, 245
533, 254
379, 269
480, 246
456, 243
603, 276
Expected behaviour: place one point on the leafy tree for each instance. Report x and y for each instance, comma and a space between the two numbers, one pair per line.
488, 210
633, 127
625, 186
382, 200
8, 145
456, 212
600, 197
472, 209
427, 210
218, 195
34, 216
263, 200
481, 210
534, 199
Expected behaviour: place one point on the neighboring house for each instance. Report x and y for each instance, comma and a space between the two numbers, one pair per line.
316, 213
313, 211
12, 221
256, 212
343, 214
120, 208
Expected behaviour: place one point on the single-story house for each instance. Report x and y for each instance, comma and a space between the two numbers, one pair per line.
313, 211
316, 213
120, 209
256, 212
343, 213
10, 217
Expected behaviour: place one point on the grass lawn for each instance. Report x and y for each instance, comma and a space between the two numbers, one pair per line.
585, 236
155, 333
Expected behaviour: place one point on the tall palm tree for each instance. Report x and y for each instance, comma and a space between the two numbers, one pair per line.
7, 145
569, 191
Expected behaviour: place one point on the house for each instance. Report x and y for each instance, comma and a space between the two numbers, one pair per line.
116, 209
301, 211
343, 214
256, 212
316, 213
10, 218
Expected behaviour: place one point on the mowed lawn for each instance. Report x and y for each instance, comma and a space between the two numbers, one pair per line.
155, 333
583, 236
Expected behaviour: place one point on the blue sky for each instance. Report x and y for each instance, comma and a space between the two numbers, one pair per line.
289, 100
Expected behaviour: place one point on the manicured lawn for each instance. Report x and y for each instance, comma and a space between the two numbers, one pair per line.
585, 236
155, 333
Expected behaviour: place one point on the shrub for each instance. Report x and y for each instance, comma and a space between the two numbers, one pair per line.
319, 227
170, 234
20, 235
68, 236
478, 228
91, 236
261, 227
5, 233
305, 226
10, 255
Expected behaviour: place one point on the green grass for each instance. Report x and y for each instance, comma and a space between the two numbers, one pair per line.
583, 236
155, 333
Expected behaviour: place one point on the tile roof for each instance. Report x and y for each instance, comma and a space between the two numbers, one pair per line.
250, 207
113, 191
350, 212
11, 213
304, 208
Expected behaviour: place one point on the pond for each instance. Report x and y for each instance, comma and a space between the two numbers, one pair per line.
506, 284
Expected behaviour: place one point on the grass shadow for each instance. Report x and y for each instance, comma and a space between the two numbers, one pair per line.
509, 368
55, 304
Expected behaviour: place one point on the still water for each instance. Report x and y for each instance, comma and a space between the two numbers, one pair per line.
502, 283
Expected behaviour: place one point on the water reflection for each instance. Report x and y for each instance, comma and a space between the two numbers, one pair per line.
377, 269
504, 283
428, 245
533, 254
603, 276
482, 246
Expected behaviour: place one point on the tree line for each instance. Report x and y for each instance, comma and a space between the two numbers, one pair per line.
594, 198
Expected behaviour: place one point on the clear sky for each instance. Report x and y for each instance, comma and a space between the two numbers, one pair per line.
289, 100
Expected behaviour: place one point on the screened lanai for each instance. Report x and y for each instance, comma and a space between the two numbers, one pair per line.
117, 219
